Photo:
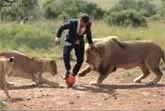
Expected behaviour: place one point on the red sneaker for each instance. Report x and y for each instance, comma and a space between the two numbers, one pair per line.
70, 81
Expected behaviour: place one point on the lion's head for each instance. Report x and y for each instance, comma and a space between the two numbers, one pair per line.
53, 67
93, 58
49, 65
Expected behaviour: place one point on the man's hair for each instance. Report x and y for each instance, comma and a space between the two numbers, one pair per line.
85, 18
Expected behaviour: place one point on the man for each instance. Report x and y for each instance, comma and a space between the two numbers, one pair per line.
77, 28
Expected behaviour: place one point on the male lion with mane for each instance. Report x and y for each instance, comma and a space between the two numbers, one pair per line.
111, 53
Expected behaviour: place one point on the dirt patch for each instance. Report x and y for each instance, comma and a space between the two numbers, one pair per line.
117, 93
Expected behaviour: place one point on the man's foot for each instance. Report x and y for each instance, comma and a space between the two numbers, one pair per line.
66, 75
70, 81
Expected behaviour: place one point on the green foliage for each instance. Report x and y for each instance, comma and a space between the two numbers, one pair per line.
20, 9
135, 12
161, 11
5, 3
126, 18
16, 36
147, 7
71, 8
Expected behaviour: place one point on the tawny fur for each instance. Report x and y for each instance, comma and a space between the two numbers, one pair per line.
31, 68
111, 53
6, 66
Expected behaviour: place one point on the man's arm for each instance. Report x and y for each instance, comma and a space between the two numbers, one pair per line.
89, 34
62, 28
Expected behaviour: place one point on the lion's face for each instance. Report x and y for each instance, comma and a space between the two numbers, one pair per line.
53, 67
93, 58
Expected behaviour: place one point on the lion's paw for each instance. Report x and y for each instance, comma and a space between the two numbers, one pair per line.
10, 85
151, 83
55, 84
137, 81
93, 83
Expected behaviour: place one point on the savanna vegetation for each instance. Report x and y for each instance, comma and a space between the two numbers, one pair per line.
30, 25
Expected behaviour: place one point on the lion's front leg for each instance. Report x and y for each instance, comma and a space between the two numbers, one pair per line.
42, 80
50, 83
100, 79
10, 84
85, 71
103, 73
37, 78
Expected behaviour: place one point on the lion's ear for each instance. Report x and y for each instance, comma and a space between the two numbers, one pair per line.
52, 62
33, 58
11, 59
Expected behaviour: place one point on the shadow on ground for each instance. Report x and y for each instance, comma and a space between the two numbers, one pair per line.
109, 89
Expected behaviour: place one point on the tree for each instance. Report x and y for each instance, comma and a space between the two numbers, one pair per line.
5, 3
19, 9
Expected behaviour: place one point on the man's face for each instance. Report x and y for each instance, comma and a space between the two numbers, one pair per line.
83, 24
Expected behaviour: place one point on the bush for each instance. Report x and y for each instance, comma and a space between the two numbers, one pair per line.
126, 18
21, 9
147, 7
132, 12
71, 8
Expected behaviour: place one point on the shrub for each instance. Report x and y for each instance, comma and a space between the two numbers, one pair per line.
71, 8
126, 18
146, 6
20, 8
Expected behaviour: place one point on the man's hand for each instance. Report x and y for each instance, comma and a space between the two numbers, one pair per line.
92, 46
57, 40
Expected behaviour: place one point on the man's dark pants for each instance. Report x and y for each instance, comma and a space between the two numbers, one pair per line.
79, 52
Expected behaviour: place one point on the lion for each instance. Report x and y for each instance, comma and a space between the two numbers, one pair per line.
111, 53
6, 66
31, 68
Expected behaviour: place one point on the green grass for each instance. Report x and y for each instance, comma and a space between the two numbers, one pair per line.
154, 31
37, 38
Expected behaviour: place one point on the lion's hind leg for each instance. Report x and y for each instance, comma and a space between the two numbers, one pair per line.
158, 73
153, 65
9, 84
142, 76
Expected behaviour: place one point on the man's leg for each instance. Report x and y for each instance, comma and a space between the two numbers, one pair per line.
66, 56
79, 52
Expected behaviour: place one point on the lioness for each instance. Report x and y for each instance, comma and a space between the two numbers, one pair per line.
31, 68
6, 65
111, 53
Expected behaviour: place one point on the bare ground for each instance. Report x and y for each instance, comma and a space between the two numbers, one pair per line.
117, 93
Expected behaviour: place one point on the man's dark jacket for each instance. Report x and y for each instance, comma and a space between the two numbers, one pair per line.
72, 35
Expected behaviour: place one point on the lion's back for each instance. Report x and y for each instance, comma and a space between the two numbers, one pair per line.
23, 64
